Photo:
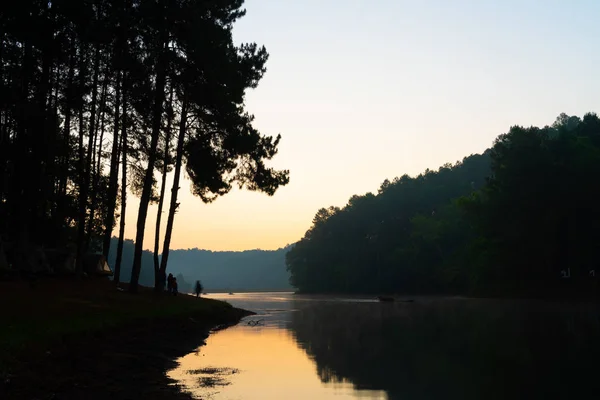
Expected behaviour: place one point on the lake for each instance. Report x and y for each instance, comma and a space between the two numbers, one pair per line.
326, 347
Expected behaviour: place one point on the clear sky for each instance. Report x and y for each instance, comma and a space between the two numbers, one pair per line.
367, 90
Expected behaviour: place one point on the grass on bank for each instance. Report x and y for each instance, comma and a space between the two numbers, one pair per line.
32, 315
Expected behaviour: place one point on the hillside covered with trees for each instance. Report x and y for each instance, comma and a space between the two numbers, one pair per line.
249, 270
521, 219
219, 271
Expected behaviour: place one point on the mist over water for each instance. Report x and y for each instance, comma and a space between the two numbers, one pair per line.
323, 347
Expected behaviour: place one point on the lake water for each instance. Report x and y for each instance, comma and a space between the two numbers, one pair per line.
322, 347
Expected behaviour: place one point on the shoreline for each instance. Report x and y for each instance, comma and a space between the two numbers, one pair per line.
125, 360
593, 297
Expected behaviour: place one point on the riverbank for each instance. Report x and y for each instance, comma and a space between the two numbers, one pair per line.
85, 339
564, 296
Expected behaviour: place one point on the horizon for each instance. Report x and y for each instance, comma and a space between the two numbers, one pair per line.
372, 93
207, 250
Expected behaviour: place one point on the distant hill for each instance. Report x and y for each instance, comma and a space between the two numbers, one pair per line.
233, 270
250, 270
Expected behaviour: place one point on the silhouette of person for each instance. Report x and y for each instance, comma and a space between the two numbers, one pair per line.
170, 279
174, 286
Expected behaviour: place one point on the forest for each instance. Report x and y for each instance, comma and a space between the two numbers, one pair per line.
521, 219
100, 99
219, 271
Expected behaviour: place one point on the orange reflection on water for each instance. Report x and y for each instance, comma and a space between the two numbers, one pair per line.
258, 363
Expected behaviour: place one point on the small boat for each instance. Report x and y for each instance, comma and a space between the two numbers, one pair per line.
385, 298
230, 293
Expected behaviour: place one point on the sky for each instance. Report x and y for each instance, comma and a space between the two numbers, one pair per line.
365, 90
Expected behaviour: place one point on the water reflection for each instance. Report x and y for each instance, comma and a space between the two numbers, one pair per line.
258, 362
319, 347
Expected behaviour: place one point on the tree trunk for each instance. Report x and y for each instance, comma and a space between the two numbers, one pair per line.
93, 164
114, 174
20, 198
158, 281
159, 97
86, 168
100, 140
4, 140
54, 161
117, 272
43, 143
81, 170
64, 142
98, 166
175, 189
67, 131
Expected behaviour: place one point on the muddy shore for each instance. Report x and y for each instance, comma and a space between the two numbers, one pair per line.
125, 363
128, 361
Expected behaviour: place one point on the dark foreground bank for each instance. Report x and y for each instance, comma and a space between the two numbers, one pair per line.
86, 340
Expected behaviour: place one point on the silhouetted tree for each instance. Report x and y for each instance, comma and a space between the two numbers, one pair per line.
83, 93
165, 169
215, 136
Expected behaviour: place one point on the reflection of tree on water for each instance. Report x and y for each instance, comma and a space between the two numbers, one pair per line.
455, 348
